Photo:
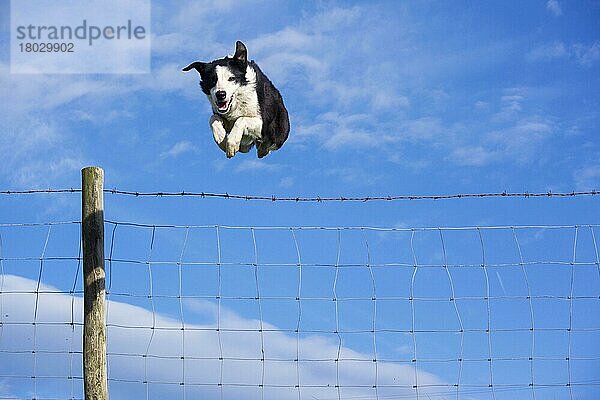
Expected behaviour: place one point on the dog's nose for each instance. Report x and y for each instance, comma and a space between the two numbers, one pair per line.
220, 95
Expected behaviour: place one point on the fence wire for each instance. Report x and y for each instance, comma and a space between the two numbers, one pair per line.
229, 312
304, 199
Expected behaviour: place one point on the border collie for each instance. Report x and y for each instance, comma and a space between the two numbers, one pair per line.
247, 108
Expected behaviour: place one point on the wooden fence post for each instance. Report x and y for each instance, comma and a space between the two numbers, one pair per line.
94, 329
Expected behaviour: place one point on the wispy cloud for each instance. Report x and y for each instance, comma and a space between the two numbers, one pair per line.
587, 178
511, 132
548, 51
472, 155
583, 54
587, 54
332, 72
201, 349
287, 182
353, 78
422, 129
179, 148
554, 7
256, 165
521, 140
37, 153
334, 132
354, 175
511, 105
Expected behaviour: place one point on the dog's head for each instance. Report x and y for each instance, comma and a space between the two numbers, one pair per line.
220, 79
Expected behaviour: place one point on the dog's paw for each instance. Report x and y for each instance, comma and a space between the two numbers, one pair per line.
219, 135
263, 150
218, 130
231, 149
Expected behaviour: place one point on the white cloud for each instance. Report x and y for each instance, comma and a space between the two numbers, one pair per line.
283, 66
383, 100
334, 18
522, 140
584, 54
333, 131
481, 105
343, 137
287, 39
165, 347
181, 147
190, 13
101, 118
287, 182
334, 74
38, 109
296, 54
256, 165
587, 178
511, 133
554, 7
587, 55
37, 93
37, 153
548, 51
354, 175
510, 105
363, 105
422, 129
104, 56
472, 156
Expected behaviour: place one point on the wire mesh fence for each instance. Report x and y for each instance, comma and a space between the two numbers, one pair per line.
229, 312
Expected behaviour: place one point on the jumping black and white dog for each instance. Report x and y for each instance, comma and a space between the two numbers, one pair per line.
247, 108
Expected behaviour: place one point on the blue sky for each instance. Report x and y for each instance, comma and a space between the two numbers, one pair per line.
385, 98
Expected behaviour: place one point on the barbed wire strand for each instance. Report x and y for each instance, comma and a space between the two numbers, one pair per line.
184, 193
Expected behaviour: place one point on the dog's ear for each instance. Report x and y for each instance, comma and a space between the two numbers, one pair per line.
241, 53
198, 66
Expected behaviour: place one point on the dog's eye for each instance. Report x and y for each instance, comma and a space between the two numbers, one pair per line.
231, 79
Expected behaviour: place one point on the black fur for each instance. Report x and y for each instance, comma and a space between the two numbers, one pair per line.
276, 123
274, 115
208, 76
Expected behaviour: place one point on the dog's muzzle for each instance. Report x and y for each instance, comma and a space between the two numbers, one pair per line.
221, 95
221, 100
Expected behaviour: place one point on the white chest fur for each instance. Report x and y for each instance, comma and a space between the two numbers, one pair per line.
242, 122
245, 107
246, 99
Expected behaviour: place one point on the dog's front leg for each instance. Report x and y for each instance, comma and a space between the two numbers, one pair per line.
218, 130
243, 126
